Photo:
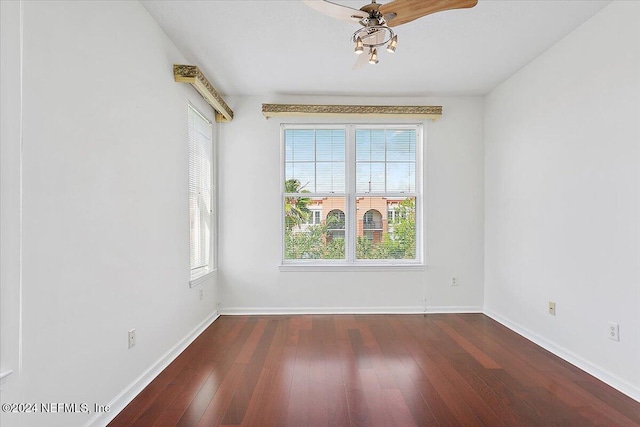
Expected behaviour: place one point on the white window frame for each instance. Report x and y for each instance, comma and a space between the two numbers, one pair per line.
201, 273
314, 218
350, 261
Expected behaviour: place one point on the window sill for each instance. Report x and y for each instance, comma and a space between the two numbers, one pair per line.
200, 278
352, 267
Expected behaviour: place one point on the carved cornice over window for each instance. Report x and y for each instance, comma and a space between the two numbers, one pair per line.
419, 111
192, 75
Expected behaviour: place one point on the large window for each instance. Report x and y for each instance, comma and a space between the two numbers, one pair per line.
201, 198
363, 182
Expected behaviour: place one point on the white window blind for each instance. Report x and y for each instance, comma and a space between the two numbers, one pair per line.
385, 160
200, 192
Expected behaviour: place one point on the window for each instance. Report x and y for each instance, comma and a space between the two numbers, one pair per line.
314, 217
201, 214
334, 224
364, 183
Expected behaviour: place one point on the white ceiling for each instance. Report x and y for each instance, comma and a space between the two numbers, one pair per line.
263, 47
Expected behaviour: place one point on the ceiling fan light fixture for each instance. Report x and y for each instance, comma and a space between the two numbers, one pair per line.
391, 47
376, 19
359, 46
373, 56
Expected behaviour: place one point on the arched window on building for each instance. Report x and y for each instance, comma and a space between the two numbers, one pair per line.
335, 224
372, 225
372, 220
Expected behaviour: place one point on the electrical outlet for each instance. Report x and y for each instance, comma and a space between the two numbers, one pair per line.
454, 281
132, 338
201, 293
614, 331
552, 308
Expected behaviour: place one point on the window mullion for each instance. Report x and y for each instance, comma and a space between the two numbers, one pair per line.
352, 223
385, 161
315, 160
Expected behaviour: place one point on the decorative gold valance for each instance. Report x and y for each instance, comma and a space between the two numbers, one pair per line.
425, 112
192, 75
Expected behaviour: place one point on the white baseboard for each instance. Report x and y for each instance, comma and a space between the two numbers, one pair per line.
613, 380
234, 311
265, 311
454, 309
132, 390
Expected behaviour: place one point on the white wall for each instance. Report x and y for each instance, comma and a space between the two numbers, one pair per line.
104, 240
250, 252
10, 108
562, 196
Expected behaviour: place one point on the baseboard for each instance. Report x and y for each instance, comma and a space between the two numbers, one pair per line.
236, 311
265, 311
132, 390
612, 380
454, 309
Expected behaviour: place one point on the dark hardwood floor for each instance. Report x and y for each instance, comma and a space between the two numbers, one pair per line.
377, 370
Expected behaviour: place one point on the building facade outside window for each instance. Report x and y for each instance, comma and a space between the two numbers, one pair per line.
351, 194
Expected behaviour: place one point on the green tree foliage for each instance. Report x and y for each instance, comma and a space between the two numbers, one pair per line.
403, 234
312, 243
296, 211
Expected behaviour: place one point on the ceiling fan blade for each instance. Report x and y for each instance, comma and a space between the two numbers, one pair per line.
363, 59
409, 10
337, 11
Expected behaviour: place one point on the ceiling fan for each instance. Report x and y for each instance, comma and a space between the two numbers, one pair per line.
377, 20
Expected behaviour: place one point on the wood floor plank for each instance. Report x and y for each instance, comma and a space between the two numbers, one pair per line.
472, 375
552, 373
526, 416
198, 364
360, 352
338, 409
607, 394
319, 411
550, 400
398, 409
434, 386
437, 366
394, 351
250, 345
343, 323
359, 414
154, 411
474, 351
222, 399
201, 401
240, 401
299, 399
372, 370
217, 366
269, 404
376, 404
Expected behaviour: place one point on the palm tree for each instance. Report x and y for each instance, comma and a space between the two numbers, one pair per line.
296, 211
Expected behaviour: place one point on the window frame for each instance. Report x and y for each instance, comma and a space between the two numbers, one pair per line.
200, 274
351, 262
